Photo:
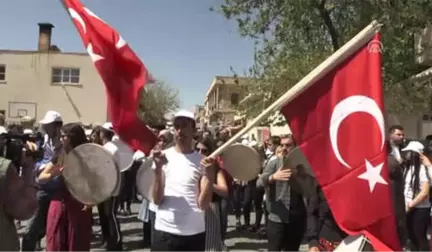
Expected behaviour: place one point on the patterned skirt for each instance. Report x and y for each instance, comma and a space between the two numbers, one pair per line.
213, 228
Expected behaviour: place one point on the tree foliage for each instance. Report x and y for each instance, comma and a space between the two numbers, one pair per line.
294, 36
157, 100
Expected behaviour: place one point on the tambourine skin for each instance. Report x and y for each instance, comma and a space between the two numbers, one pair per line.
124, 155
242, 162
144, 179
91, 174
303, 179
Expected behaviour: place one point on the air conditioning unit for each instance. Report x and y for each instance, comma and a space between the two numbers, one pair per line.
423, 46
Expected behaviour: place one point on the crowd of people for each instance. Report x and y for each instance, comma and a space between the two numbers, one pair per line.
191, 195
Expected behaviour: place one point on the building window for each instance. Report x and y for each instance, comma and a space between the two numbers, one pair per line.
65, 76
234, 99
2, 73
427, 118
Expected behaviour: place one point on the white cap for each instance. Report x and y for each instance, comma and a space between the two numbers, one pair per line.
107, 126
3, 130
50, 117
414, 146
88, 132
28, 131
185, 114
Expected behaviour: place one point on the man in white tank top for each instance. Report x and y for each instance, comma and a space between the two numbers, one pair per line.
182, 189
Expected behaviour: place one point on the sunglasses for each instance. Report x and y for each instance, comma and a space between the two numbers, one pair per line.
202, 150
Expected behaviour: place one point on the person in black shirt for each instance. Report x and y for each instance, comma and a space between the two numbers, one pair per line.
322, 233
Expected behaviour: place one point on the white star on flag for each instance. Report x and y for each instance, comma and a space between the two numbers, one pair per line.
95, 57
373, 175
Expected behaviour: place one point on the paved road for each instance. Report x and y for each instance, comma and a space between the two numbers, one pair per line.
132, 235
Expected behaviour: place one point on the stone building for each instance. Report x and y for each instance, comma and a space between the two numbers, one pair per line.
222, 99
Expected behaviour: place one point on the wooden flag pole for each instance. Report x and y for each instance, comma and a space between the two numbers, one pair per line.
320, 71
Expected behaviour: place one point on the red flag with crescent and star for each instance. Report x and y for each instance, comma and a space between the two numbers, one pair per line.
339, 125
122, 72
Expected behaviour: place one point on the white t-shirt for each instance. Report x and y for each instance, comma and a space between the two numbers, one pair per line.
408, 190
179, 213
152, 206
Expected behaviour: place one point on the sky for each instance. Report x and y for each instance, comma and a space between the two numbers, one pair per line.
181, 42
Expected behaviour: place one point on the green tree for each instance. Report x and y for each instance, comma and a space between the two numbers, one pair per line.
294, 36
157, 100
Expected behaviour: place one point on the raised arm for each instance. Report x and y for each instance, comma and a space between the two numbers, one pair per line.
48, 172
206, 183
269, 169
221, 187
158, 187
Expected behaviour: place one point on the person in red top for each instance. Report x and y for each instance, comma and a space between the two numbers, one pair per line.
69, 222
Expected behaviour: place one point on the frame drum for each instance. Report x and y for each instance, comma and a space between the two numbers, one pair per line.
303, 180
242, 162
91, 174
144, 179
123, 155
354, 243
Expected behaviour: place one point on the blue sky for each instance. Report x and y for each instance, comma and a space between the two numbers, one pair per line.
180, 41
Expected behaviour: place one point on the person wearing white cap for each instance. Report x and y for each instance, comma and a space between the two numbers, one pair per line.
118, 148
148, 209
416, 192
51, 125
182, 189
110, 226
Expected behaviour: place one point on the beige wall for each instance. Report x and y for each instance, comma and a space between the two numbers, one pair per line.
28, 86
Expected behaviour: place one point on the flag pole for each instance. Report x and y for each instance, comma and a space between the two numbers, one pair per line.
321, 70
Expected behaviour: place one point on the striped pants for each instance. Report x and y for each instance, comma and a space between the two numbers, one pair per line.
213, 228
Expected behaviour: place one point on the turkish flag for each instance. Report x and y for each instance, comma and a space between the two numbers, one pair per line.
122, 72
339, 125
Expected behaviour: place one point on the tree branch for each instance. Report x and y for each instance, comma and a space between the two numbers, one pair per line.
325, 15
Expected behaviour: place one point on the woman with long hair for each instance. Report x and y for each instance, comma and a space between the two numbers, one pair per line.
69, 222
213, 215
416, 192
